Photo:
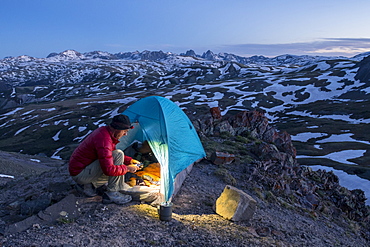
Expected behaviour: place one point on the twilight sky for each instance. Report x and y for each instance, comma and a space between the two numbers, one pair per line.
242, 27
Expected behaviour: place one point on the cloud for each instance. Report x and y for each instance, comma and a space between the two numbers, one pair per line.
324, 47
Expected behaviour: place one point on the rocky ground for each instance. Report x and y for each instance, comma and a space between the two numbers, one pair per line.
194, 222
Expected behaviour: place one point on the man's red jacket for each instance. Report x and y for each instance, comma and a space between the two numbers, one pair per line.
97, 146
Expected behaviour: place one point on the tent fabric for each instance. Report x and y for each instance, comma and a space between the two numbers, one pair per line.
170, 134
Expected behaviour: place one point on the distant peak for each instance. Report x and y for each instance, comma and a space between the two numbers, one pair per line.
23, 58
190, 53
99, 54
67, 54
70, 53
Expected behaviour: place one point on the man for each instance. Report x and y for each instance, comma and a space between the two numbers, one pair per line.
96, 161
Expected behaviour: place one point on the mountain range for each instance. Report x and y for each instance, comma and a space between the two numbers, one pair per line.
48, 105
63, 75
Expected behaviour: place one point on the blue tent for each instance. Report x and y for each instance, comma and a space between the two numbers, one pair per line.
170, 134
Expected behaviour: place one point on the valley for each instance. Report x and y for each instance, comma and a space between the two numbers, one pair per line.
49, 105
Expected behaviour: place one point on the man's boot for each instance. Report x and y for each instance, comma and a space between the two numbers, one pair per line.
116, 197
86, 189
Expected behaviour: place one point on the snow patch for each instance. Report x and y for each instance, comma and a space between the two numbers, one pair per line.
12, 112
304, 137
56, 136
341, 156
55, 156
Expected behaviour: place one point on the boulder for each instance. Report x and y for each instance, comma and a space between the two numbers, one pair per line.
223, 126
235, 205
363, 72
216, 112
64, 210
221, 158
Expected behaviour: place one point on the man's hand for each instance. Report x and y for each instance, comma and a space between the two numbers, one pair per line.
132, 168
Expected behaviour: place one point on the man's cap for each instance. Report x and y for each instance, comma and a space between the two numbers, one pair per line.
121, 122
